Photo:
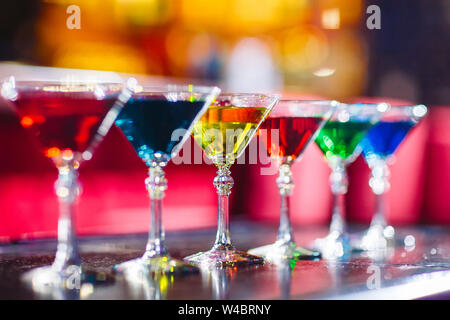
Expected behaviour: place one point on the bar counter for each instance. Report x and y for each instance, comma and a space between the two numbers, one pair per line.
415, 270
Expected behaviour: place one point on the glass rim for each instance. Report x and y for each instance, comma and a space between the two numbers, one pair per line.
153, 89
268, 100
10, 89
363, 104
417, 111
398, 107
316, 108
357, 107
324, 101
274, 96
238, 94
40, 83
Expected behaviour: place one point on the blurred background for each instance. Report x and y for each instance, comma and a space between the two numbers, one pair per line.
302, 48
314, 46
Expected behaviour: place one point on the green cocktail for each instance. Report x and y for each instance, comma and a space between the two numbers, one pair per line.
341, 138
338, 140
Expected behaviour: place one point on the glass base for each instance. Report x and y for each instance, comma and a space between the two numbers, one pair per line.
156, 265
224, 257
377, 237
51, 283
285, 251
335, 245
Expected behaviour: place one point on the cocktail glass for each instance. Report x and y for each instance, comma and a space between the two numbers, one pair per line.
378, 147
224, 132
157, 121
290, 128
338, 140
69, 119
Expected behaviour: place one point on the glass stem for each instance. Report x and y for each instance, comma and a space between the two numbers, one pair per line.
379, 182
285, 185
223, 183
339, 187
378, 218
67, 190
156, 185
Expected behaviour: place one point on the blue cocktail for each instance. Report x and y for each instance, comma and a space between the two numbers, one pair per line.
384, 138
157, 121
378, 147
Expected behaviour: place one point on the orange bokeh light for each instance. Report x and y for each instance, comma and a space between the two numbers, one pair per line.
67, 154
52, 152
26, 122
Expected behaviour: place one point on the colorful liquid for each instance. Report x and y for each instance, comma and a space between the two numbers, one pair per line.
294, 134
149, 124
224, 132
62, 121
385, 137
341, 138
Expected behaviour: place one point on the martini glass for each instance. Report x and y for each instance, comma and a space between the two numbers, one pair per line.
290, 128
157, 121
223, 133
68, 119
378, 148
338, 140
